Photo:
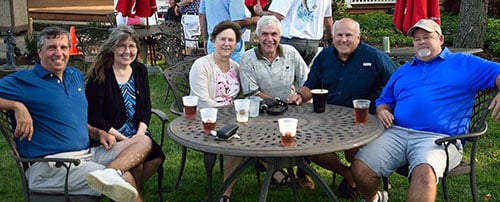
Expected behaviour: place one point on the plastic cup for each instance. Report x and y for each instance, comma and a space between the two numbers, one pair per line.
319, 99
190, 103
254, 106
208, 119
361, 107
242, 107
288, 128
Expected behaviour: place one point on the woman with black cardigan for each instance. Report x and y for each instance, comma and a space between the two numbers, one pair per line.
118, 94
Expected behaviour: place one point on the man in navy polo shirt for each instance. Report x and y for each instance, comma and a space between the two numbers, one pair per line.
50, 109
350, 69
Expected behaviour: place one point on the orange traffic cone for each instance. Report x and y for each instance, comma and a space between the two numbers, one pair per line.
72, 35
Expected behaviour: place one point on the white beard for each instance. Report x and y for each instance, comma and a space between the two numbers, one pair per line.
424, 52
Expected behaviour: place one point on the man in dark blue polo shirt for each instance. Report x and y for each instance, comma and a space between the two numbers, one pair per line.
50, 109
350, 69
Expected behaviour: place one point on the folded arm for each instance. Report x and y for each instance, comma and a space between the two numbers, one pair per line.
24, 122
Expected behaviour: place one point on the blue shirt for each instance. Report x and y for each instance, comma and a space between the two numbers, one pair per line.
216, 11
438, 95
361, 76
58, 109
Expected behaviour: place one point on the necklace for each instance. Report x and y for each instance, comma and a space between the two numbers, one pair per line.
122, 75
222, 63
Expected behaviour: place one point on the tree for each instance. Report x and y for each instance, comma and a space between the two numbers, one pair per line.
472, 23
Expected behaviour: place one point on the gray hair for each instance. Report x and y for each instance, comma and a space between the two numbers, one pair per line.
51, 33
267, 20
356, 25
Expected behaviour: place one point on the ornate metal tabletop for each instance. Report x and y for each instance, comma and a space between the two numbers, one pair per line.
317, 133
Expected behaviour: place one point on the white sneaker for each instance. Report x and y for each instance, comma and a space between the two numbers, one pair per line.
111, 183
383, 196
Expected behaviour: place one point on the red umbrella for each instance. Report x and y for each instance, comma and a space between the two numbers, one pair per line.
140, 8
409, 12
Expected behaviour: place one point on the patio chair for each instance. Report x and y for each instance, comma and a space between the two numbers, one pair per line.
164, 119
177, 77
477, 128
6, 128
89, 41
112, 18
176, 29
171, 47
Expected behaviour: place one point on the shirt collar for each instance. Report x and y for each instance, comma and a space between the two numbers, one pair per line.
261, 57
41, 72
445, 53
335, 52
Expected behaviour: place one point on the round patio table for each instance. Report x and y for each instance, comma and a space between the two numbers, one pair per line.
317, 133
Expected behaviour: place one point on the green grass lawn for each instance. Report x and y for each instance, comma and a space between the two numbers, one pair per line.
193, 184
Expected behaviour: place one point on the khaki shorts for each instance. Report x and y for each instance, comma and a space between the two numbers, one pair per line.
47, 178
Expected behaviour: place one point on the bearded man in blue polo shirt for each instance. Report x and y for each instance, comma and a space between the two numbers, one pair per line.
350, 69
50, 111
423, 101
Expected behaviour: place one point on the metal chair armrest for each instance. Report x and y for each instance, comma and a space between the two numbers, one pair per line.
164, 119
58, 161
160, 114
440, 141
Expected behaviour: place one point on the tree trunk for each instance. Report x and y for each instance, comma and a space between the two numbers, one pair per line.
472, 23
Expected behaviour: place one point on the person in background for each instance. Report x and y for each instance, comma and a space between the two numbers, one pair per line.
118, 95
50, 111
213, 12
303, 22
428, 98
350, 69
251, 3
173, 13
190, 23
214, 79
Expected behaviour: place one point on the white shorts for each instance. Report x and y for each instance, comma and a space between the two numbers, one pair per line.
191, 26
398, 146
47, 178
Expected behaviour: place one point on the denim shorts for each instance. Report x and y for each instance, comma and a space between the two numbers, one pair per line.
47, 178
398, 146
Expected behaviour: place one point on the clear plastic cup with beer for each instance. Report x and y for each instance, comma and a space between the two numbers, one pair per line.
190, 103
361, 107
288, 129
208, 119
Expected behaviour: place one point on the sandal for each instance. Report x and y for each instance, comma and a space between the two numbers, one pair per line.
347, 191
225, 198
306, 182
284, 181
